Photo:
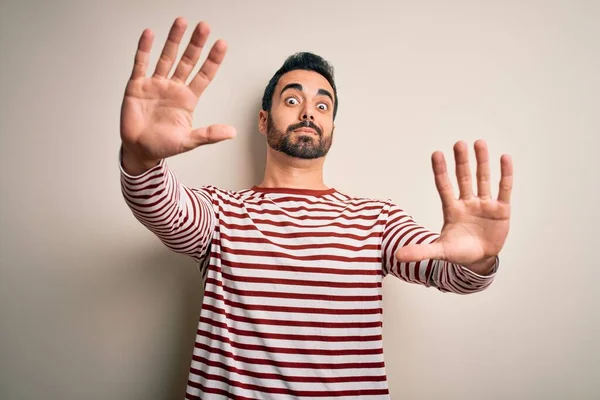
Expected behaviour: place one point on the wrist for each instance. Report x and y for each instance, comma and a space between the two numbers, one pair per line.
483, 267
134, 165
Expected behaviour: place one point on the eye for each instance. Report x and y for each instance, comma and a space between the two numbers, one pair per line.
323, 106
291, 101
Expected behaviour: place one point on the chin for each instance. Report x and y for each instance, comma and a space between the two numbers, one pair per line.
305, 138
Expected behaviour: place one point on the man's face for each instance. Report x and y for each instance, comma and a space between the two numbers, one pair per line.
300, 123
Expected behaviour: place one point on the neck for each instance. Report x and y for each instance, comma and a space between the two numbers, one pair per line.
283, 171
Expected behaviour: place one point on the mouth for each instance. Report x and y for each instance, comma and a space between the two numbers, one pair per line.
306, 130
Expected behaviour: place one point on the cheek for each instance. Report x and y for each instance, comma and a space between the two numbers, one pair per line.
283, 116
327, 126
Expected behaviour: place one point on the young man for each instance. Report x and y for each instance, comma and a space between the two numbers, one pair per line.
292, 269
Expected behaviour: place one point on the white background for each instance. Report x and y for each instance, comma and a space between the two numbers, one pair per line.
93, 306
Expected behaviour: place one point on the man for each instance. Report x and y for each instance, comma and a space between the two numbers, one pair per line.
292, 269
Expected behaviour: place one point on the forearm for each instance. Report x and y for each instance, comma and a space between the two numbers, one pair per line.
182, 218
402, 230
449, 277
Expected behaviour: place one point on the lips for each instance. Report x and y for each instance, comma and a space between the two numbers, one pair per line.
306, 130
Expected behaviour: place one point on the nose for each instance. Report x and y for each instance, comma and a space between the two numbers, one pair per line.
307, 113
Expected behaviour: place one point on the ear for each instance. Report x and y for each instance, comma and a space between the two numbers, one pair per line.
262, 122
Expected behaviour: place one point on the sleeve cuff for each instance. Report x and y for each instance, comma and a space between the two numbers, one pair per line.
482, 277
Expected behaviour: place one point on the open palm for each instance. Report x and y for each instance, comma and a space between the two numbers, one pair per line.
475, 227
157, 111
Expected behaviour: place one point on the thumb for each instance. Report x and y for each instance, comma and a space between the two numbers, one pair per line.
212, 134
420, 252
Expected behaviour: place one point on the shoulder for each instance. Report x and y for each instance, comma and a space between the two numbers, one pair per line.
351, 198
219, 193
364, 201
386, 206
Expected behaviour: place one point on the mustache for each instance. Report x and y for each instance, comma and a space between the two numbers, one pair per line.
305, 124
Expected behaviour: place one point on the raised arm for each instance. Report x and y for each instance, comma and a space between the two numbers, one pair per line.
156, 123
464, 256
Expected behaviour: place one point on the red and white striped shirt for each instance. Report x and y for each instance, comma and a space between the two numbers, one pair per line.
292, 306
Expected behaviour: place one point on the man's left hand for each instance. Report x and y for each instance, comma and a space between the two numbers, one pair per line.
475, 226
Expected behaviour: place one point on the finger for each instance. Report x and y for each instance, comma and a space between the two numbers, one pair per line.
192, 52
483, 170
169, 52
463, 172
211, 134
142, 55
506, 180
209, 68
420, 252
442, 180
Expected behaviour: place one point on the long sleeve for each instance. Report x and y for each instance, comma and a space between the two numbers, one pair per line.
400, 230
182, 218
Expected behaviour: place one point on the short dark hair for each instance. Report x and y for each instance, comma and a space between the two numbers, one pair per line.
306, 61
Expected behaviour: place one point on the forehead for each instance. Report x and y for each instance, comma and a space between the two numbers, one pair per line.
311, 81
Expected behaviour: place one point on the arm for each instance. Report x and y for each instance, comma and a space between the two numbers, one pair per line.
182, 218
401, 230
156, 123
463, 258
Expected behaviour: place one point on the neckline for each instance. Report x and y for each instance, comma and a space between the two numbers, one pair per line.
286, 190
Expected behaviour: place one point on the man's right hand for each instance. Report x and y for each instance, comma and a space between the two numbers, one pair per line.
157, 111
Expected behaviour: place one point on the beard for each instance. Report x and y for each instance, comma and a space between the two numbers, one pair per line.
305, 146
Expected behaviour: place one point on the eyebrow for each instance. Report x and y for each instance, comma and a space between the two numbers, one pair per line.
298, 86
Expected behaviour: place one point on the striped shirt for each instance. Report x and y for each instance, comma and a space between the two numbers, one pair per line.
292, 306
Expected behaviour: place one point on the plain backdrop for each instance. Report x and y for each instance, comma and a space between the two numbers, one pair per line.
93, 306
